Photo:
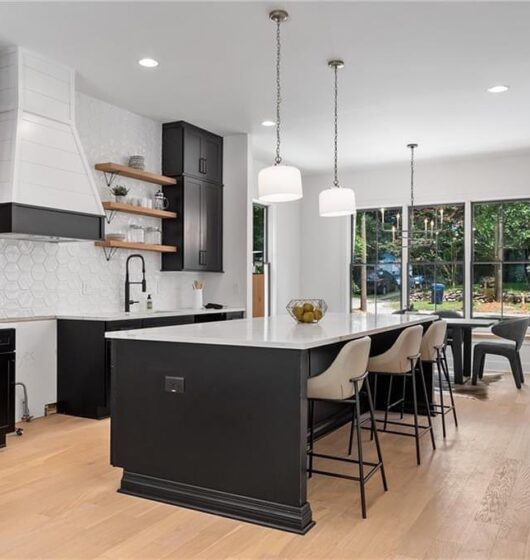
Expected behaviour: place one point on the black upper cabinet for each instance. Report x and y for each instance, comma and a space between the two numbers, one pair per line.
195, 157
191, 151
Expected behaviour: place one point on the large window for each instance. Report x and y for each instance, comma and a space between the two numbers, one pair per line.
501, 258
376, 261
436, 258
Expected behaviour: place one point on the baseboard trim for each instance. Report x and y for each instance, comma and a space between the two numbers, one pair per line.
278, 516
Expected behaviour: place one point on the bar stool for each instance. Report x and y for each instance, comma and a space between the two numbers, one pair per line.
401, 360
432, 350
342, 382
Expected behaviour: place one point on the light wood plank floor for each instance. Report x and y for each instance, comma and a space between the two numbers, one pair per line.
470, 498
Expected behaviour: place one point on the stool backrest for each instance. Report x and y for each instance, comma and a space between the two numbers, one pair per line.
407, 345
512, 329
433, 338
336, 381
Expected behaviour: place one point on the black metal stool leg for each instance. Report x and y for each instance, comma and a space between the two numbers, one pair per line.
360, 451
439, 367
311, 435
376, 377
352, 427
415, 405
429, 419
376, 435
450, 385
403, 396
388, 399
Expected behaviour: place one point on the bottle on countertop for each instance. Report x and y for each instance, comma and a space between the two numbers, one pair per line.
149, 303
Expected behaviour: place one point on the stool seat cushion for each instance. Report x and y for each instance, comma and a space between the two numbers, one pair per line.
397, 358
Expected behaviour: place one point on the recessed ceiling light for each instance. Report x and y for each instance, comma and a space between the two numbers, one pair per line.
148, 62
268, 123
498, 89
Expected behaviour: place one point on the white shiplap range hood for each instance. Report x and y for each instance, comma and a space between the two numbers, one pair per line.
47, 191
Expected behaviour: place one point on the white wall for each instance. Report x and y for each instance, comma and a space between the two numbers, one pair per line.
325, 241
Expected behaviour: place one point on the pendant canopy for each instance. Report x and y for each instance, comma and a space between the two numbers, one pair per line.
279, 183
336, 201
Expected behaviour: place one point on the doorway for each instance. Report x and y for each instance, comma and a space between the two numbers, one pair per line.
260, 261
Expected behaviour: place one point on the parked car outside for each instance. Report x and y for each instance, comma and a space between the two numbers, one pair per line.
381, 282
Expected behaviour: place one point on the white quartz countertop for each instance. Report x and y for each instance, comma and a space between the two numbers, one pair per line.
123, 316
276, 332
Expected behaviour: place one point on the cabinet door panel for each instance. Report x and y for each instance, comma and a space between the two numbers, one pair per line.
192, 152
192, 224
212, 212
5, 393
212, 154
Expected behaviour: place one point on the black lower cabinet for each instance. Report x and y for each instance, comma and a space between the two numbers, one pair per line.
7, 383
83, 359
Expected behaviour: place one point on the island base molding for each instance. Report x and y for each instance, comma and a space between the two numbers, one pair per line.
278, 516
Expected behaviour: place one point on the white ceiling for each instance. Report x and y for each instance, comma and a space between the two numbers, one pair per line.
414, 71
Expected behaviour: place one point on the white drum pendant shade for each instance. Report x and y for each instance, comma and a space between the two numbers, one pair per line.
336, 202
279, 183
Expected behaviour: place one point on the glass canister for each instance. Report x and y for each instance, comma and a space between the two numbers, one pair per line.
136, 234
153, 235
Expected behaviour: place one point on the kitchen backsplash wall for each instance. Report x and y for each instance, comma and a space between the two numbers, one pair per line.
72, 278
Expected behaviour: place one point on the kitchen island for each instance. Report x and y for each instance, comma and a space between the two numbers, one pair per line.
213, 416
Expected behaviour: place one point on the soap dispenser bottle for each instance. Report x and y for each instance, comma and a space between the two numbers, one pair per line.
149, 303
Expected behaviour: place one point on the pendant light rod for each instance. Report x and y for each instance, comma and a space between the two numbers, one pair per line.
412, 147
278, 17
336, 64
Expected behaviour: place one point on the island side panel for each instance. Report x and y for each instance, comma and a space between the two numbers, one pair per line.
232, 443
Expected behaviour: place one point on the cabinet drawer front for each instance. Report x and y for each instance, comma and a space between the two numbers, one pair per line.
123, 325
167, 321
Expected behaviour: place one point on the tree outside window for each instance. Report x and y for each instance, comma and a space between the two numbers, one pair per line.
376, 261
501, 258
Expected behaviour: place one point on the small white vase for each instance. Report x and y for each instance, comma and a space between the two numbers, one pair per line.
197, 299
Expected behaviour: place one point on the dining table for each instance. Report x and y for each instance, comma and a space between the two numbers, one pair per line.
460, 332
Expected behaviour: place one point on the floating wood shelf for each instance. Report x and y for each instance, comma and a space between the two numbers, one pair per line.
114, 207
113, 169
110, 246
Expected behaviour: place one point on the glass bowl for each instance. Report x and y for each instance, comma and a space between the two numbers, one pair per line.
306, 310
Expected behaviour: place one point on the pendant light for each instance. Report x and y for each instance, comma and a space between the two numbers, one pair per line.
336, 201
279, 183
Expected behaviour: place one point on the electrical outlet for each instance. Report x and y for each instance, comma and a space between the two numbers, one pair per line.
174, 384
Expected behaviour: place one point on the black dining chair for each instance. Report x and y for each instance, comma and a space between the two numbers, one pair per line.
510, 329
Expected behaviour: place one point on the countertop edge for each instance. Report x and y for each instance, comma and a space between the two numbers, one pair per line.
137, 336
123, 316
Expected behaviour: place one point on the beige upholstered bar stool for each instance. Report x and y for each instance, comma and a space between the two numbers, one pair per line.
342, 382
432, 350
401, 360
